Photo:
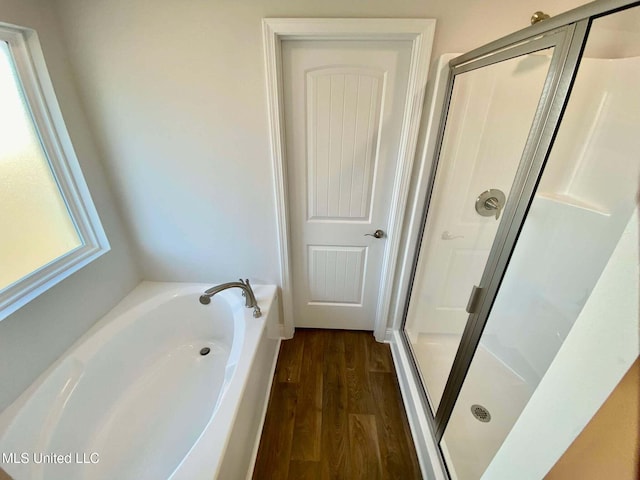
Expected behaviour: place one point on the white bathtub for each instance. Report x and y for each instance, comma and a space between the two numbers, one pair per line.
134, 399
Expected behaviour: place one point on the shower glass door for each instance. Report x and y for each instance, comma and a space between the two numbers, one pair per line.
531, 208
571, 253
493, 104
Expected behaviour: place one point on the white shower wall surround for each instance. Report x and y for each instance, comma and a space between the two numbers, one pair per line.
572, 391
576, 220
572, 201
577, 228
138, 395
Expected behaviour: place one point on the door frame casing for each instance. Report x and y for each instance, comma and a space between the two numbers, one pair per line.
420, 33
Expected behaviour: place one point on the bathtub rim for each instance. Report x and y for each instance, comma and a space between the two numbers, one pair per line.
141, 300
197, 462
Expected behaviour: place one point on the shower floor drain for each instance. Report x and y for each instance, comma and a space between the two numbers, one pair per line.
481, 413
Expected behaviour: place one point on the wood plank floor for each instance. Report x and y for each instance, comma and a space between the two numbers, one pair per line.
335, 412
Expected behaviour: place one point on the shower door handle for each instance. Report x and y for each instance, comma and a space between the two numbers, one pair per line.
472, 304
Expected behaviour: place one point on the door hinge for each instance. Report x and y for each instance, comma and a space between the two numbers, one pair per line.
472, 304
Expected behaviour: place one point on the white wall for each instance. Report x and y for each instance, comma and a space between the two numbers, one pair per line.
33, 337
176, 93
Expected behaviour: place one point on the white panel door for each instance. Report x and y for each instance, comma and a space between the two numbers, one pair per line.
343, 103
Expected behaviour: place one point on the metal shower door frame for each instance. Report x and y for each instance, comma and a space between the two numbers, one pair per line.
568, 34
568, 43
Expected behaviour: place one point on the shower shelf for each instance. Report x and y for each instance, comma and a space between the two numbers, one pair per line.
574, 202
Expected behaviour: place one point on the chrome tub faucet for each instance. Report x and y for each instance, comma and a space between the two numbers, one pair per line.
247, 293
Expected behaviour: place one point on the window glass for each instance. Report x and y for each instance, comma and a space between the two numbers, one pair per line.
34, 220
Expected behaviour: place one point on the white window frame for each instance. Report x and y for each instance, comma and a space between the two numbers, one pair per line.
45, 112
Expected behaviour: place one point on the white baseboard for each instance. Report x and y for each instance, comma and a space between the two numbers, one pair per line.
426, 448
388, 335
287, 331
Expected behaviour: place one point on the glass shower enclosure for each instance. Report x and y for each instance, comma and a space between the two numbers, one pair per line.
535, 184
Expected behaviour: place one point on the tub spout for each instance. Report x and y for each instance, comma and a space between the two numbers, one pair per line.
247, 293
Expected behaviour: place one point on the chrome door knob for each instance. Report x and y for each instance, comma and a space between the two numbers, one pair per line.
377, 234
